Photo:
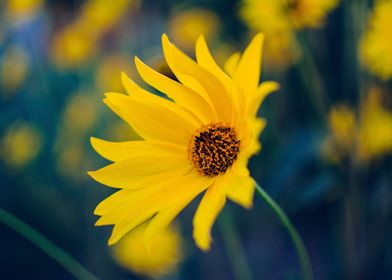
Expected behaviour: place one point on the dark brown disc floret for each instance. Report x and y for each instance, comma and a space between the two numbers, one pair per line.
213, 149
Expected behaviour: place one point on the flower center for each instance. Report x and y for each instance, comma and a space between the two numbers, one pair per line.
213, 149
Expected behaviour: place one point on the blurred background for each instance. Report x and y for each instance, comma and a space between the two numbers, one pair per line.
326, 155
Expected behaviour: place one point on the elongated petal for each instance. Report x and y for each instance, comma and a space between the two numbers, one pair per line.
183, 96
117, 151
247, 74
182, 65
142, 171
232, 64
113, 208
263, 91
187, 186
140, 94
153, 121
208, 210
240, 189
159, 223
205, 59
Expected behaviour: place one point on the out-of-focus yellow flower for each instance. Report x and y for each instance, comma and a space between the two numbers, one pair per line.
343, 129
162, 258
80, 112
376, 43
14, 67
375, 130
279, 19
366, 136
281, 50
186, 26
72, 157
20, 145
79, 41
20, 10
107, 75
78, 119
72, 47
278, 15
309, 13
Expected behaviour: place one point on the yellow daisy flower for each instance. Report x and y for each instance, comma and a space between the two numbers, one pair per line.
198, 141
376, 43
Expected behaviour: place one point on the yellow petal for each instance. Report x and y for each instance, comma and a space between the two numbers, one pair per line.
140, 94
209, 208
232, 63
182, 95
263, 91
187, 187
247, 75
142, 171
249, 145
113, 208
205, 59
240, 189
182, 65
117, 151
153, 121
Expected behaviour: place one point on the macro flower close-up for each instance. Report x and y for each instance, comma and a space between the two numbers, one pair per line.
200, 140
189, 140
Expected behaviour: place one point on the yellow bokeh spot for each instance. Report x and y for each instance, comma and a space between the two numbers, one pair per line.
376, 43
186, 26
165, 254
22, 9
80, 40
107, 75
365, 136
309, 13
80, 112
14, 67
20, 144
375, 129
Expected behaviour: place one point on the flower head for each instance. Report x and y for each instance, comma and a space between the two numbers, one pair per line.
376, 44
199, 140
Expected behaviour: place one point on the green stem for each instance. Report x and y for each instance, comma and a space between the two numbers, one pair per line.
299, 245
51, 249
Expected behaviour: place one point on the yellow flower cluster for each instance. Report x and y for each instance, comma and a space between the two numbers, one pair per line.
160, 259
366, 136
376, 44
79, 41
279, 19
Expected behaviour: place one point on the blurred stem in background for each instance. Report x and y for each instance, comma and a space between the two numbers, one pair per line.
311, 78
234, 250
51, 249
298, 243
354, 208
